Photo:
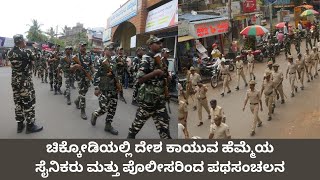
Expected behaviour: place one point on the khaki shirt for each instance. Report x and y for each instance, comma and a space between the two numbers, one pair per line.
268, 87
183, 109
254, 97
239, 66
220, 132
277, 77
218, 111
316, 56
268, 70
250, 58
300, 64
307, 58
292, 68
201, 92
195, 79
312, 56
224, 70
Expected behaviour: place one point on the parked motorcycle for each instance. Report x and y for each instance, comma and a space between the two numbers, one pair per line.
215, 78
258, 56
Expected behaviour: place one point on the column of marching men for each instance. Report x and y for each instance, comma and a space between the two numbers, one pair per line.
298, 69
107, 75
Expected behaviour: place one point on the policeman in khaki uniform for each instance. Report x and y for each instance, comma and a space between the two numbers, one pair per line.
219, 130
292, 70
202, 101
240, 72
183, 112
250, 58
194, 79
315, 60
226, 77
268, 87
277, 78
308, 61
254, 97
268, 69
302, 67
216, 111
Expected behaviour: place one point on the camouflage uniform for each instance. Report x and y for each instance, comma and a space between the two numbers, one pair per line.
308, 39
57, 78
22, 86
43, 69
84, 82
151, 98
316, 35
51, 70
108, 99
136, 86
121, 68
37, 64
297, 42
65, 63
287, 46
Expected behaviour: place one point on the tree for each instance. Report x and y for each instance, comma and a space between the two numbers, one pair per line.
34, 33
64, 30
51, 33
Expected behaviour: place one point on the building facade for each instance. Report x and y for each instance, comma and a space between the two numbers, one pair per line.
132, 24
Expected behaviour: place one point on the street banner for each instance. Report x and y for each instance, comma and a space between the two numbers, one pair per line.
249, 6
148, 159
2, 40
163, 17
6, 42
125, 12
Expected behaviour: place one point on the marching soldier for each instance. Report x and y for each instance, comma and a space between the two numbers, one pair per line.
315, 61
51, 70
268, 87
277, 80
308, 61
254, 98
225, 74
315, 34
292, 70
82, 62
151, 94
308, 39
136, 62
121, 68
287, 46
250, 58
57, 78
107, 91
202, 101
301, 69
194, 79
65, 63
297, 42
43, 68
22, 85
240, 72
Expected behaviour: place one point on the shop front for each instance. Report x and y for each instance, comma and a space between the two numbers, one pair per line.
198, 42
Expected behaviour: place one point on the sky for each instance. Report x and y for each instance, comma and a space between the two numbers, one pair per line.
17, 14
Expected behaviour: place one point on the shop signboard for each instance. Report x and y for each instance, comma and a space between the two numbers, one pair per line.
183, 28
163, 17
249, 6
6, 42
125, 12
235, 8
107, 35
202, 30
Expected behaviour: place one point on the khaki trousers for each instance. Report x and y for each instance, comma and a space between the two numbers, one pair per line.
225, 82
202, 103
255, 110
240, 73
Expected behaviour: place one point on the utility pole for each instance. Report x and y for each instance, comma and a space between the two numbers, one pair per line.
230, 17
270, 14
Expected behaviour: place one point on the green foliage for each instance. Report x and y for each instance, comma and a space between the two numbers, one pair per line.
34, 33
249, 43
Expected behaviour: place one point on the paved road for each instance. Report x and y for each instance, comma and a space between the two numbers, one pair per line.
63, 121
299, 117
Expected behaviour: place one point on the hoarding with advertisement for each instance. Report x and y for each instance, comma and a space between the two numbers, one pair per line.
127, 11
249, 6
163, 17
107, 35
213, 28
6, 42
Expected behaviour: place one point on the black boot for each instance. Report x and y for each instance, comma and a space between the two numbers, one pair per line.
134, 103
83, 114
60, 92
76, 102
21, 126
45, 80
51, 87
42, 80
93, 119
55, 91
110, 129
237, 88
33, 128
68, 100
131, 136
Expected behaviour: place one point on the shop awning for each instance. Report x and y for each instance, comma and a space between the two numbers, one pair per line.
185, 38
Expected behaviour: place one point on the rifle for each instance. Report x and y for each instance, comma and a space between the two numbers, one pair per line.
163, 67
88, 75
117, 81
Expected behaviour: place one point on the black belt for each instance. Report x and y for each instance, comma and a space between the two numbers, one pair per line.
240, 68
292, 73
254, 103
224, 74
